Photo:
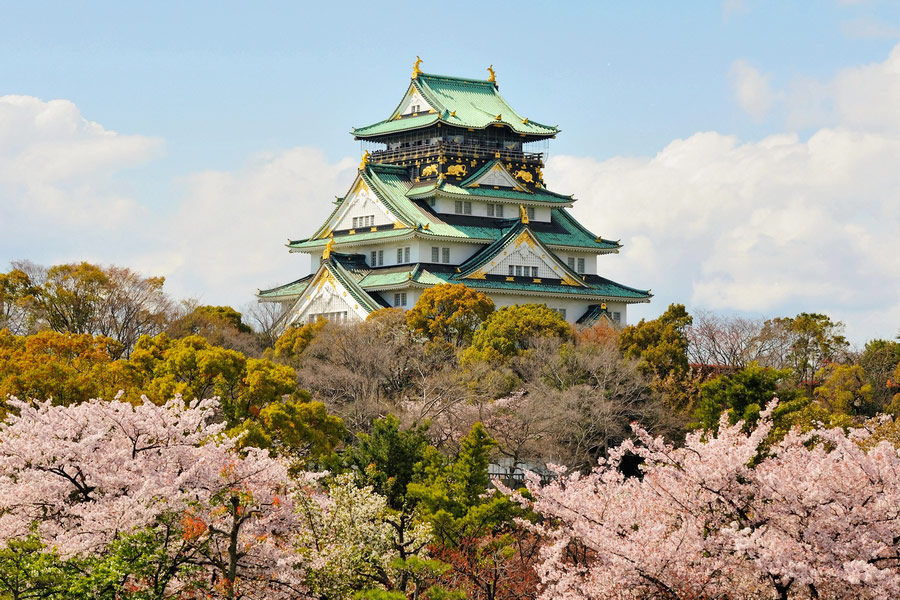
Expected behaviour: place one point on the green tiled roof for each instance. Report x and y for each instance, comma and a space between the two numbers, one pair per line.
471, 103
480, 258
391, 186
288, 290
346, 269
361, 281
597, 287
538, 196
593, 314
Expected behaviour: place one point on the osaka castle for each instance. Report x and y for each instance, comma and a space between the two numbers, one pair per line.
451, 190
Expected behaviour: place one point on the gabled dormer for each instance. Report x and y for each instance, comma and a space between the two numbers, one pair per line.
494, 175
363, 209
518, 254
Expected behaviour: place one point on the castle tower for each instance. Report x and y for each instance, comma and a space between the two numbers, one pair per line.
452, 192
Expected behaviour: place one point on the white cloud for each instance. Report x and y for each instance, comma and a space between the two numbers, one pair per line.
863, 98
227, 238
63, 197
772, 227
751, 89
56, 172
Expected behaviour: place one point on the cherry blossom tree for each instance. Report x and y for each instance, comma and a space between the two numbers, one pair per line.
817, 515
85, 477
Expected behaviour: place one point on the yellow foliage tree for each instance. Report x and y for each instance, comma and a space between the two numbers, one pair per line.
450, 313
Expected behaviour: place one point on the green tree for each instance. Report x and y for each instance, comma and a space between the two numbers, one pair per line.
296, 428
511, 330
812, 340
742, 395
221, 325
450, 313
29, 571
69, 368
389, 460
14, 293
86, 298
879, 360
291, 344
661, 344
194, 368
474, 528
844, 389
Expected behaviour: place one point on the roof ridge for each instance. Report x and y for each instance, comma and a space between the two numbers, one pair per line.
455, 78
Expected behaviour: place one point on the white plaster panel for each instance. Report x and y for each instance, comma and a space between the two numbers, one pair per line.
524, 255
414, 98
360, 203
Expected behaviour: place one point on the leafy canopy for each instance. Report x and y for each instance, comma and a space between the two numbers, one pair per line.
450, 313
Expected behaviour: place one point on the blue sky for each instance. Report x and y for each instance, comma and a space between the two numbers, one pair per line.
194, 138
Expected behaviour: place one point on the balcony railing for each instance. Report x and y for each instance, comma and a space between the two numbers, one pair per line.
455, 150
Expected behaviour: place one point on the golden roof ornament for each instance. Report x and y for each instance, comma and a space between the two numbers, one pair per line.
492, 77
523, 214
416, 69
328, 248
365, 161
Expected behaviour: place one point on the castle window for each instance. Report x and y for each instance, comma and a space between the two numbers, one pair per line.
617, 317
374, 258
400, 299
571, 262
406, 254
561, 311
462, 208
445, 255
534, 271
530, 211
333, 317
435, 254
495, 210
581, 265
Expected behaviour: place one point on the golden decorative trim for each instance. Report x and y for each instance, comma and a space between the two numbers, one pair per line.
477, 275
365, 161
536, 280
525, 238
524, 176
328, 248
416, 70
492, 77
523, 214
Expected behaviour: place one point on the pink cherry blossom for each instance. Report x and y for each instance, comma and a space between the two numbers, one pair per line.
87, 473
815, 515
